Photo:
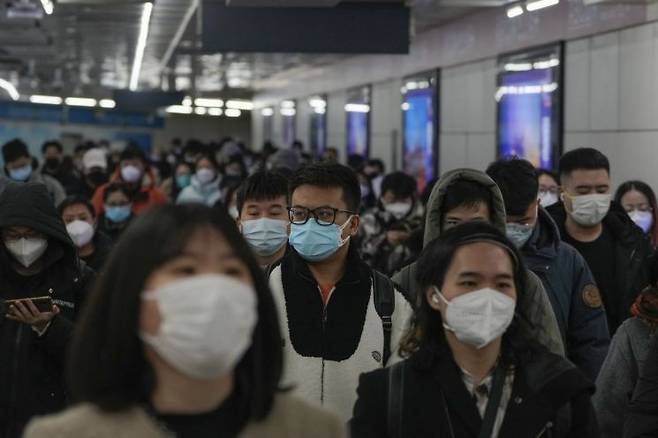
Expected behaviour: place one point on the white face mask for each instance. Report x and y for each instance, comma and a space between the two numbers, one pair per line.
204, 175
643, 219
131, 174
265, 236
479, 317
27, 251
398, 209
546, 199
590, 210
206, 324
81, 232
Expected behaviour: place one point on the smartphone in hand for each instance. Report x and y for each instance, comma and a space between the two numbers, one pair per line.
43, 304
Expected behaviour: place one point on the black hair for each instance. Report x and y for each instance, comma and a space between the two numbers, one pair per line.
52, 144
356, 162
401, 184
131, 152
583, 159
107, 343
262, 186
647, 191
76, 200
518, 182
14, 149
206, 156
330, 175
465, 193
426, 331
83, 147
553, 175
376, 162
118, 187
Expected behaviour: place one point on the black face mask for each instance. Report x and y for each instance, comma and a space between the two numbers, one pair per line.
96, 178
53, 163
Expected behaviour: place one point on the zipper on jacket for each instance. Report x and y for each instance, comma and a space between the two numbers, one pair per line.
547, 431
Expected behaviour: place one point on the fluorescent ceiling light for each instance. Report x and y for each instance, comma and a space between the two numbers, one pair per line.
540, 4
319, 110
48, 6
80, 101
200, 111
9, 88
288, 104
187, 101
232, 112
357, 108
518, 66
267, 112
141, 45
215, 112
318, 103
515, 11
107, 103
244, 105
47, 100
288, 112
179, 109
209, 103
549, 63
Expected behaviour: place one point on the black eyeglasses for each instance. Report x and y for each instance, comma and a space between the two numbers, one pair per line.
324, 216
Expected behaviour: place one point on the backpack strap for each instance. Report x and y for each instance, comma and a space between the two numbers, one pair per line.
395, 399
384, 298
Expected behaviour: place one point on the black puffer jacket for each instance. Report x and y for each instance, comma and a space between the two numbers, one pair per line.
31, 367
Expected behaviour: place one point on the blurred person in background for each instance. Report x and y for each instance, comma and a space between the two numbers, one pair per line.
368, 198
79, 217
55, 166
330, 155
204, 184
37, 259
386, 228
639, 201
549, 188
469, 372
622, 366
79, 152
235, 167
19, 168
190, 347
181, 178
375, 170
642, 418
94, 172
117, 210
287, 159
230, 202
133, 170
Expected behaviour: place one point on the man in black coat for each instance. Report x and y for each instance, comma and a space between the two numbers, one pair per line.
37, 258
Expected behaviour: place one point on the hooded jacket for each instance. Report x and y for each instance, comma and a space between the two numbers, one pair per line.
208, 194
31, 366
539, 322
573, 294
633, 258
54, 188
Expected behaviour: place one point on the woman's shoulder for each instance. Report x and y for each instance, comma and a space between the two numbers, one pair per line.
87, 420
291, 417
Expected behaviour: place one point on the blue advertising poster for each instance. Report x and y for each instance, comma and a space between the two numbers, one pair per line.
529, 109
419, 135
318, 133
288, 130
357, 133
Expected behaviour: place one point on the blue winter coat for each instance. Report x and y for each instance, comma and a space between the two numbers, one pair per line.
573, 293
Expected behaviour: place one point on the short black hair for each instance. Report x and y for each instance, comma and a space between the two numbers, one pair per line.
118, 187
131, 152
583, 159
549, 173
376, 162
401, 184
330, 175
107, 341
206, 156
52, 144
465, 193
76, 200
518, 182
13, 150
262, 186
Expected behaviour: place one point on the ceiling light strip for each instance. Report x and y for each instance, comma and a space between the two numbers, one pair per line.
175, 41
9, 88
141, 45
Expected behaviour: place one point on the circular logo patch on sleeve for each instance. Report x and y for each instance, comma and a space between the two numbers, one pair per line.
592, 296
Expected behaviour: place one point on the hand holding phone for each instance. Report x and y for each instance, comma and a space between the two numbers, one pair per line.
37, 312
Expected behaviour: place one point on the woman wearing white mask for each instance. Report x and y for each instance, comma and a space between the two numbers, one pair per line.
181, 338
549, 189
639, 201
468, 372
204, 188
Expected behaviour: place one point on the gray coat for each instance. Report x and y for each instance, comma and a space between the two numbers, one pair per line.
55, 189
539, 322
619, 374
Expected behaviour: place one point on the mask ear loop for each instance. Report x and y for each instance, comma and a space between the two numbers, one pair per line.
341, 229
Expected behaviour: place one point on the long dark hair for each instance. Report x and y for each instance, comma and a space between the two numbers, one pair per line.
646, 190
426, 330
108, 367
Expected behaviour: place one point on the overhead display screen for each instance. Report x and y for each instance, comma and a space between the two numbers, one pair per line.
357, 110
529, 97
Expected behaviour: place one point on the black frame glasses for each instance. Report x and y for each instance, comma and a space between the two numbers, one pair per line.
320, 214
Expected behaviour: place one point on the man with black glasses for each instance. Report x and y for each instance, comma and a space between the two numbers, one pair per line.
339, 318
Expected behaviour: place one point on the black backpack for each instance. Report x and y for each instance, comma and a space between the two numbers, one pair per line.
384, 298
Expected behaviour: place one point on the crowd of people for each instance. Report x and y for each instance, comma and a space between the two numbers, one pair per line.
206, 290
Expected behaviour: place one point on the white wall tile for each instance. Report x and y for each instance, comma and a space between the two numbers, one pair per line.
480, 150
636, 158
604, 82
576, 93
453, 100
336, 121
453, 152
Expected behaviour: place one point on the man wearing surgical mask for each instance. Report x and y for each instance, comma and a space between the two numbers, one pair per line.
37, 259
262, 202
386, 228
616, 251
327, 296
563, 271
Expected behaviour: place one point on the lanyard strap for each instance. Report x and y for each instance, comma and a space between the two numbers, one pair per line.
494, 403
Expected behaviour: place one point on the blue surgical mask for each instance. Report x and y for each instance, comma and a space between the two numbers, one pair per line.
315, 242
265, 236
21, 174
118, 214
183, 181
519, 234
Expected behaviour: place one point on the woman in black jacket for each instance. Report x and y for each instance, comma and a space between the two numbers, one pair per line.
467, 372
